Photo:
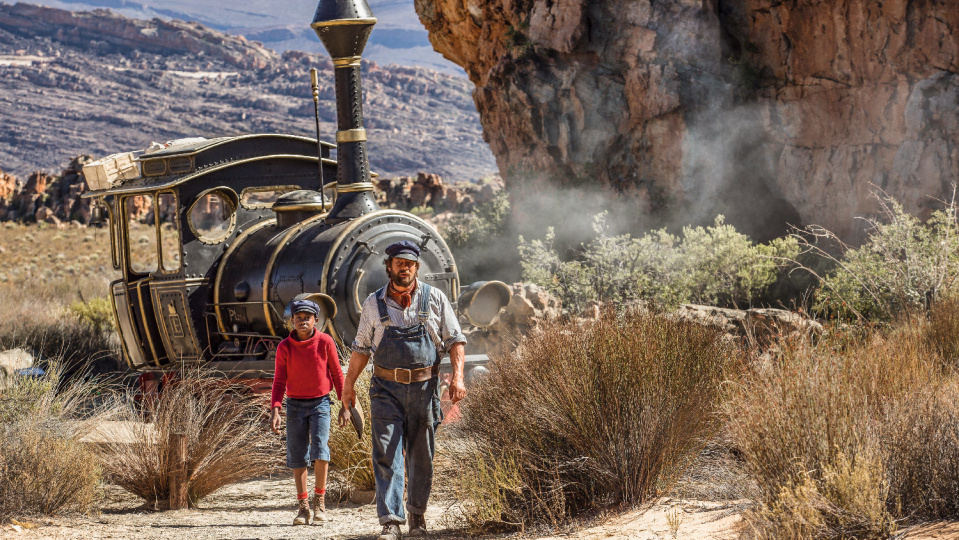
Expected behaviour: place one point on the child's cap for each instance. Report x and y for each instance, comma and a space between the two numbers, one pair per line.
308, 306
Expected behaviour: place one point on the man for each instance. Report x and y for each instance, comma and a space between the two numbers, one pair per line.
407, 327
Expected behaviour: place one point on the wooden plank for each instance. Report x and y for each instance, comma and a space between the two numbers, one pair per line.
179, 498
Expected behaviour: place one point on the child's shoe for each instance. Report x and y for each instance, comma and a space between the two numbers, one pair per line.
303, 515
319, 508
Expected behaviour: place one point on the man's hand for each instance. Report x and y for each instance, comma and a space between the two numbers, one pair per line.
275, 420
344, 418
349, 395
457, 391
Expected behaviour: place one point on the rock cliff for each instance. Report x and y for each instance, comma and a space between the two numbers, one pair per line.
770, 111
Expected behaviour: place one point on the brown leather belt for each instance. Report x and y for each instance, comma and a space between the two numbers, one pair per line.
406, 376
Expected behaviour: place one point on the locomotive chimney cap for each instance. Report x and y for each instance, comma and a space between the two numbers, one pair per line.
343, 26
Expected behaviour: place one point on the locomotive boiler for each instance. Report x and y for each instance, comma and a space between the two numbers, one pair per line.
215, 237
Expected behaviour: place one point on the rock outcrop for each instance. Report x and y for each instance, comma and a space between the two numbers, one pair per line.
430, 190
47, 198
531, 305
771, 112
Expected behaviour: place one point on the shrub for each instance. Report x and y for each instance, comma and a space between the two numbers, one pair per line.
45, 472
903, 267
44, 466
849, 437
227, 440
711, 265
351, 458
97, 314
606, 412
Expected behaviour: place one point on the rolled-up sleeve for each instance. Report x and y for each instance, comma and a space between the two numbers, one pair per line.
363, 342
450, 331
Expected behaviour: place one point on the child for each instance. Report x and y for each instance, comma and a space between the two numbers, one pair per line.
307, 368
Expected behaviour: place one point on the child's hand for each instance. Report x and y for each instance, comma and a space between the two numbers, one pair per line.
275, 420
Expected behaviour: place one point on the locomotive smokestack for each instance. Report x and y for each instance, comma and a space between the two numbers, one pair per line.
344, 27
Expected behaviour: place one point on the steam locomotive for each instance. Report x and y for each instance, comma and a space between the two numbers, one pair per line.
216, 236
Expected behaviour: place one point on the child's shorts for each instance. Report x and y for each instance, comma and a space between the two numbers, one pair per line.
307, 431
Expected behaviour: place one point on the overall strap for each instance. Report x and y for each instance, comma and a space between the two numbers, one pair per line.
424, 312
381, 306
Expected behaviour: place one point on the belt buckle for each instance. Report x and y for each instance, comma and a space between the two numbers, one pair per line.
409, 375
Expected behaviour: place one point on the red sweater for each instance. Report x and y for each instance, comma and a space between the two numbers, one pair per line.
306, 369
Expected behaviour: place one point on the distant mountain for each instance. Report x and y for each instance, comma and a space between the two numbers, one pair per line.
397, 38
97, 83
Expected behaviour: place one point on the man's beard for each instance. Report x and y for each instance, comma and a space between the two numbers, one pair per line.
400, 281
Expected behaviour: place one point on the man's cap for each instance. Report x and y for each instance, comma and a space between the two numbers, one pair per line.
298, 306
404, 249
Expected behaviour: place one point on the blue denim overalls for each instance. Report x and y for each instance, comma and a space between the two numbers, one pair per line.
404, 417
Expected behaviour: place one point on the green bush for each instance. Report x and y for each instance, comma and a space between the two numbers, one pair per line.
709, 265
904, 266
97, 314
583, 416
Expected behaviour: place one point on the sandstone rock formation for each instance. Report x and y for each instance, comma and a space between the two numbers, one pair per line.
531, 305
771, 112
763, 326
430, 190
47, 198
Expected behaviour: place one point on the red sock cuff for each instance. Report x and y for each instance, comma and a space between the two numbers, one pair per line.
319, 491
301, 496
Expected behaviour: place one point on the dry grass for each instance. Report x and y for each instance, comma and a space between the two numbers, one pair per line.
851, 437
943, 329
227, 440
611, 412
351, 460
44, 271
44, 468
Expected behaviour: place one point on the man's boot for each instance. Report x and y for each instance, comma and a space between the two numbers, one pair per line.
319, 508
391, 531
417, 525
303, 514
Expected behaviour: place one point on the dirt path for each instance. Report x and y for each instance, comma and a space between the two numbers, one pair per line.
263, 509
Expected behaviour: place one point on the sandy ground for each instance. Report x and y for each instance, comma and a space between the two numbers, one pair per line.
263, 509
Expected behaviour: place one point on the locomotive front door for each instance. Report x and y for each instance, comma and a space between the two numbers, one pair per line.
140, 238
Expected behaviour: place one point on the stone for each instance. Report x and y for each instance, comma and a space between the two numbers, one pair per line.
769, 112
12, 360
